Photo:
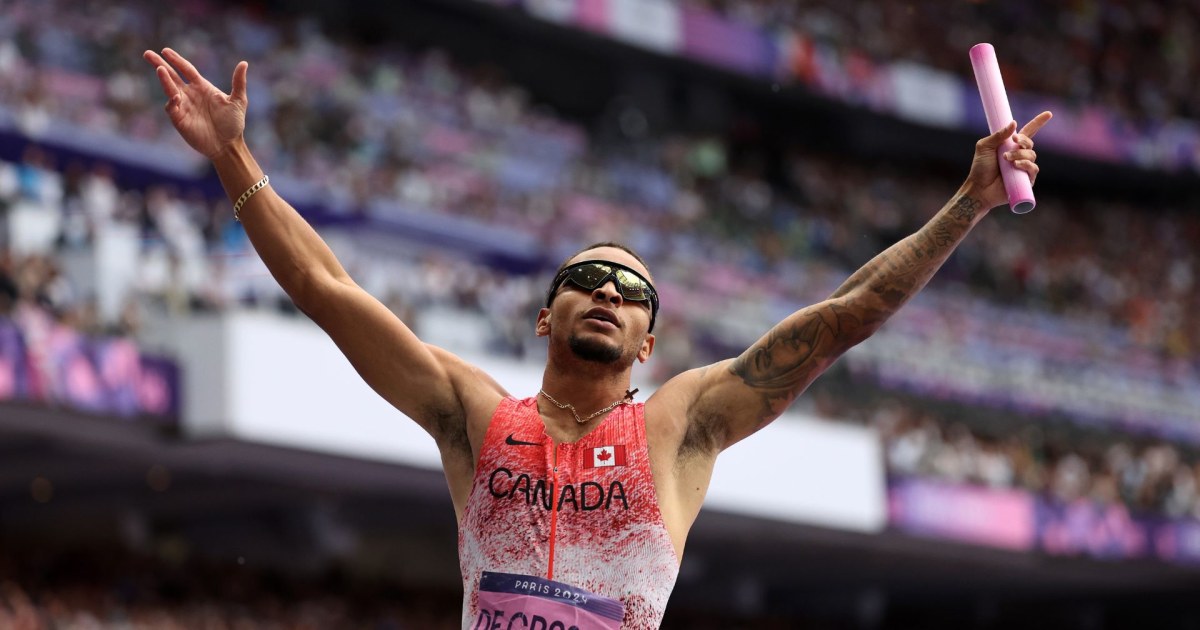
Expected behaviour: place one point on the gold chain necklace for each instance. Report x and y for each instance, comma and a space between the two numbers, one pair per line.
628, 399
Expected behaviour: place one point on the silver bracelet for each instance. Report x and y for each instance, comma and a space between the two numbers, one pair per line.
237, 205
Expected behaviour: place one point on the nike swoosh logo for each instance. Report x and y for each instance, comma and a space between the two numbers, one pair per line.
511, 441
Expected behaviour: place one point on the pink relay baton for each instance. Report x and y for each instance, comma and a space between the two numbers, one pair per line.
995, 107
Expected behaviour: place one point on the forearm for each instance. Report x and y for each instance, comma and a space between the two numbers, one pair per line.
291, 249
889, 280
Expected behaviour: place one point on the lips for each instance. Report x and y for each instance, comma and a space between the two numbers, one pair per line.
604, 315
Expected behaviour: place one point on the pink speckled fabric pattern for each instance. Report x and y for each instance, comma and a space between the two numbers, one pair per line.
610, 538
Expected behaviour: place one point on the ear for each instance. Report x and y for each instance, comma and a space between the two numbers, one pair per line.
647, 349
542, 326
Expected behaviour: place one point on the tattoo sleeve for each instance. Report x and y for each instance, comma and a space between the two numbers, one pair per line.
781, 365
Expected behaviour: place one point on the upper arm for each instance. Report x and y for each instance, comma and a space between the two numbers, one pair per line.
428, 384
730, 400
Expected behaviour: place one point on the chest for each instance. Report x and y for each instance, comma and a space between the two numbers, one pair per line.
606, 469
594, 457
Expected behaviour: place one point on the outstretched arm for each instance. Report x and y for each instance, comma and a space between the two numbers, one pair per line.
730, 400
427, 384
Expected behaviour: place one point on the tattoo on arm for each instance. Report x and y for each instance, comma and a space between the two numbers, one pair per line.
941, 238
965, 208
908, 265
785, 361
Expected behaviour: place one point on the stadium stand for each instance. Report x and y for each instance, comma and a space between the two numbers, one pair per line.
1073, 354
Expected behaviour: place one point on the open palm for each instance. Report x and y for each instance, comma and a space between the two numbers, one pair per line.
207, 118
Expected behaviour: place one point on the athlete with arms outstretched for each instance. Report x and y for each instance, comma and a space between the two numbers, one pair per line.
573, 505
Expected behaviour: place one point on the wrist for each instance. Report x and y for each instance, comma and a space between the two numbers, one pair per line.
232, 152
968, 189
236, 168
988, 195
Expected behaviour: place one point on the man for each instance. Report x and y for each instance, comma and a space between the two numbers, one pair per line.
573, 505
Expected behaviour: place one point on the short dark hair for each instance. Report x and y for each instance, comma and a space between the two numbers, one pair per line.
625, 248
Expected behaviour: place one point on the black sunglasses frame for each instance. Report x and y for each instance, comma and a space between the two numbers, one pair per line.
565, 275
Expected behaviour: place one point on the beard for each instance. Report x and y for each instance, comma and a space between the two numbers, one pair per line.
594, 350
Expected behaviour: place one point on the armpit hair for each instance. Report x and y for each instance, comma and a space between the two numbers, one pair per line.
705, 435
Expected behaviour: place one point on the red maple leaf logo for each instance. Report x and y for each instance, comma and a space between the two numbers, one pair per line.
604, 455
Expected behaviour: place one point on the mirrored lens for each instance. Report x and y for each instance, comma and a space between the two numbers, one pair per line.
632, 287
590, 276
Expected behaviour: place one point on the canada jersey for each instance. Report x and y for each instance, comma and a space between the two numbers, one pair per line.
584, 513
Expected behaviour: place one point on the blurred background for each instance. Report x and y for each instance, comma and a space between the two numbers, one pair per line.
179, 448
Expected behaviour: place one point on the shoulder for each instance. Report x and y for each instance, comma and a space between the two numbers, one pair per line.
478, 394
680, 415
468, 379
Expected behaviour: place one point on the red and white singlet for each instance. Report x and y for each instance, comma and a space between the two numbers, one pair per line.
574, 528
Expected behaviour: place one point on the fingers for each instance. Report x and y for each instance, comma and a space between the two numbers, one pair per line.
1021, 154
168, 85
1025, 160
994, 141
1036, 124
186, 68
239, 82
1029, 167
154, 60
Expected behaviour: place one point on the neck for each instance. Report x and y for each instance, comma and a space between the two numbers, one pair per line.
588, 390
627, 399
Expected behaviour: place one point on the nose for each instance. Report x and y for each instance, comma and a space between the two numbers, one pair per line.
609, 292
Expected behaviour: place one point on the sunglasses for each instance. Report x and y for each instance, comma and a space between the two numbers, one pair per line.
590, 274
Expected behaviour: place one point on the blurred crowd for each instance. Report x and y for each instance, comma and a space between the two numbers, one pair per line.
120, 590
371, 132
52, 217
1137, 58
1149, 477
103, 589
381, 130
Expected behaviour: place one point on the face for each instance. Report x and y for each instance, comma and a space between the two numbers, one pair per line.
599, 325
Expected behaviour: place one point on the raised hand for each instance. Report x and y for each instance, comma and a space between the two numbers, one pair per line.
984, 179
207, 118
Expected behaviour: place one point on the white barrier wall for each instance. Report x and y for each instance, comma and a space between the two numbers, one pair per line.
277, 380
805, 470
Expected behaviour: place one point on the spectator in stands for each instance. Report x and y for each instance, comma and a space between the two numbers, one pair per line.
8, 283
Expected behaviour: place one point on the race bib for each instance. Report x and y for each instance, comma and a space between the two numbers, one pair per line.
508, 601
